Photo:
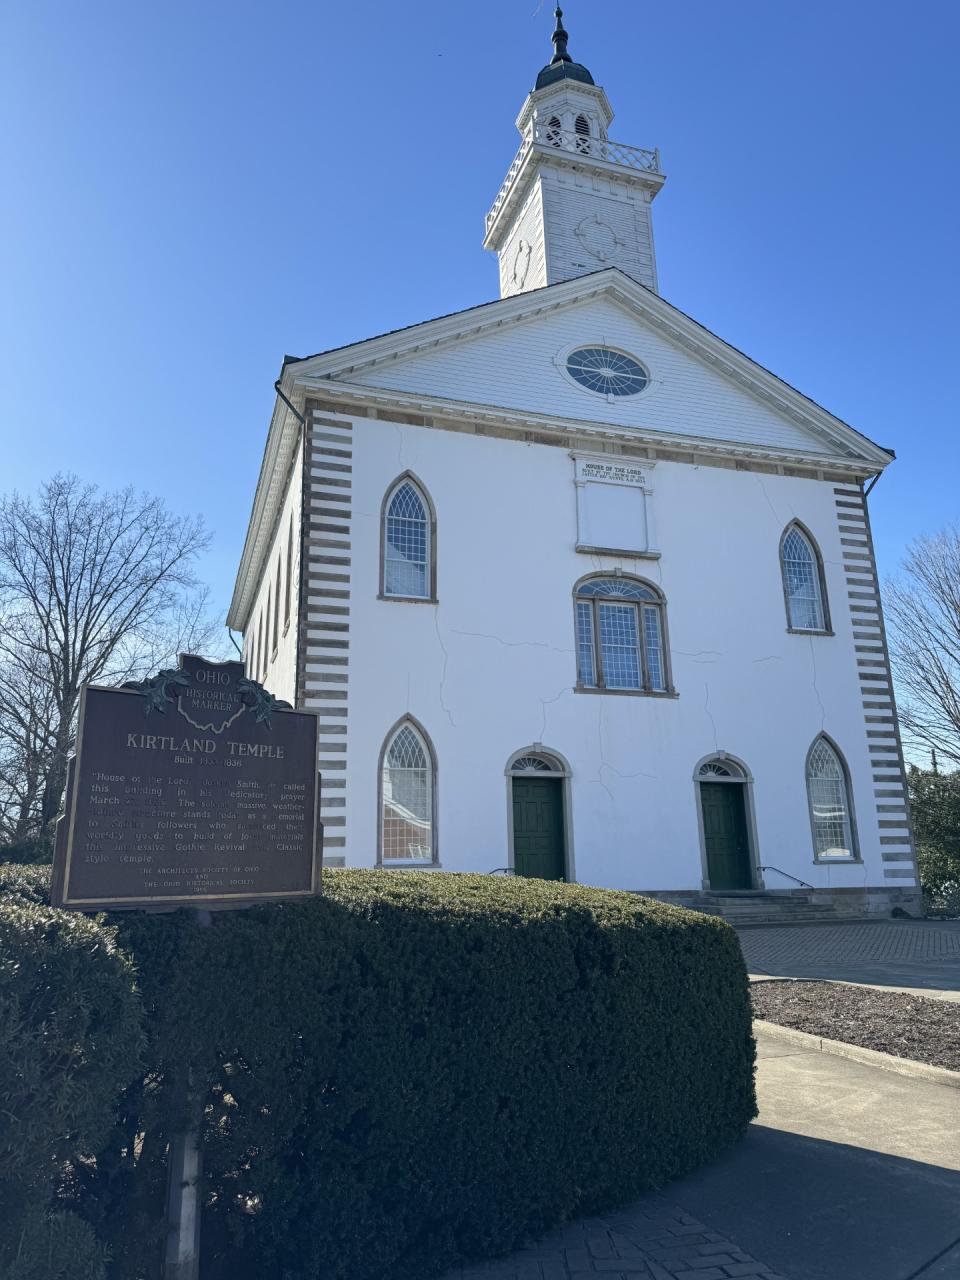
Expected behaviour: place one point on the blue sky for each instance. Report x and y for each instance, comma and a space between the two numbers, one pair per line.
193, 190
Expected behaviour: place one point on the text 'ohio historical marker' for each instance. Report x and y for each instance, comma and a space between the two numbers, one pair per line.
196, 787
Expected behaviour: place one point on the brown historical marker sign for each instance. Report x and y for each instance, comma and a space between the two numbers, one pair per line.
194, 788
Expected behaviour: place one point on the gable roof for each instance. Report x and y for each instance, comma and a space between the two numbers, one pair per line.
341, 363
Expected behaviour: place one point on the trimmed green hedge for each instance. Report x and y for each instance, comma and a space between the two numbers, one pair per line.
421, 1068
34, 851
70, 1042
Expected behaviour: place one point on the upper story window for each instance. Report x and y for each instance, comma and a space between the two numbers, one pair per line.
407, 798
609, 372
554, 131
828, 789
408, 567
276, 606
266, 633
583, 134
804, 589
620, 636
289, 591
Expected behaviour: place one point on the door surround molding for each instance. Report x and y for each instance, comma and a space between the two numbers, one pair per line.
559, 767
743, 778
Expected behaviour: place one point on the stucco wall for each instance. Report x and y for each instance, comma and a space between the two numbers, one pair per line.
491, 668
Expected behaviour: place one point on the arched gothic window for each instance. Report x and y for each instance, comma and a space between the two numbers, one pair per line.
408, 540
583, 134
407, 798
554, 131
803, 586
828, 789
621, 636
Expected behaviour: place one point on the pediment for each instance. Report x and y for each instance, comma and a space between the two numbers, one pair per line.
512, 355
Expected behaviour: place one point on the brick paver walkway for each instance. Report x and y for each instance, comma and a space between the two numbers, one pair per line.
918, 954
654, 1238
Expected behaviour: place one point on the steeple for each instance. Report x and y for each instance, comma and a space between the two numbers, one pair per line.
561, 66
573, 201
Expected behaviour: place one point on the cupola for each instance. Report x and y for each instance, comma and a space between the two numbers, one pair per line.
573, 201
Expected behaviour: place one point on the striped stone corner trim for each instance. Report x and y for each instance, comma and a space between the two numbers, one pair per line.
876, 685
323, 651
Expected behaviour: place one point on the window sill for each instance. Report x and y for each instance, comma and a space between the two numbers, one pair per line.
628, 693
618, 551
409, 866
408, 599
803, 631
837, 862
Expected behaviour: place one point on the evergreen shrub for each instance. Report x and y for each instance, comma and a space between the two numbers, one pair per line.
419, 1068
422, 1067
33, 851
70, 1041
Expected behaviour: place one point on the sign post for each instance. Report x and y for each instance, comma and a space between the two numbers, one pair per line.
196, 788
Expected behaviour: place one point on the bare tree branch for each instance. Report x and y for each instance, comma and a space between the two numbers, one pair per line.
94, 587
923, 609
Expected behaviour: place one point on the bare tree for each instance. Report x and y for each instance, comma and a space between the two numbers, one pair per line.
923, 609
94, 587
27, 734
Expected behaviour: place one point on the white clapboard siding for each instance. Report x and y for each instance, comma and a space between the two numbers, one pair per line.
519, 367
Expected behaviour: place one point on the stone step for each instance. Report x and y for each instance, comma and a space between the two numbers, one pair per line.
745, 909
746, 922
792, 907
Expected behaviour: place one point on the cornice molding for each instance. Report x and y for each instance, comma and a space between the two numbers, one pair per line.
282, 439
542, 156
436, 409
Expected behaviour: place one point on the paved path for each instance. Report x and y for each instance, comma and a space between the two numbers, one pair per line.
850, 1173
921, 955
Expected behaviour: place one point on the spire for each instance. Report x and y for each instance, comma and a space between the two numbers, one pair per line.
561, 65
560, 39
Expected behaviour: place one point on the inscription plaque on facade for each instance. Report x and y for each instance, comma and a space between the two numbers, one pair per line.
195, 787
614, 506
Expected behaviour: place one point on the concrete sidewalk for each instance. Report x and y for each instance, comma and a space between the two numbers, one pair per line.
849, 1173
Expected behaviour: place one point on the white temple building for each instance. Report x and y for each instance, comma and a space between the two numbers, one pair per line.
579, 590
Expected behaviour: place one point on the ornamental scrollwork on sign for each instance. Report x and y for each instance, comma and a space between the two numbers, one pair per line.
156, 691
259, 701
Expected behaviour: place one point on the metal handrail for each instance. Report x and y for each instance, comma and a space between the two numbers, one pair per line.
581, 144
503, 871
787, 874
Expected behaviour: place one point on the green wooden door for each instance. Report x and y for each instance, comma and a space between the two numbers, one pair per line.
725, 835
538, 828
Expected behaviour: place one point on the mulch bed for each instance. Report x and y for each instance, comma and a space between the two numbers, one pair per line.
889, 1021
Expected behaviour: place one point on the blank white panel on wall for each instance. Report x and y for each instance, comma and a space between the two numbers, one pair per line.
613, 506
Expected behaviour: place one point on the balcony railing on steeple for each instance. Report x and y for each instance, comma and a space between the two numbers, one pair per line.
547, 135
